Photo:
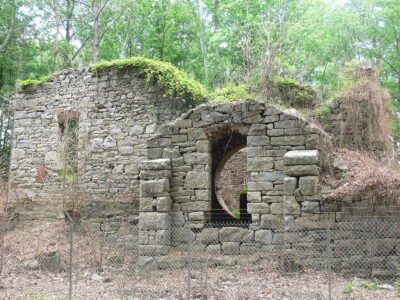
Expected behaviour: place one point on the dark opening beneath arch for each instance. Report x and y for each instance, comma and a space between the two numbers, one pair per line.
223, 149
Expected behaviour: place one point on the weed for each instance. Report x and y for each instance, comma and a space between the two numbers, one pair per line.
236, 213
348, 289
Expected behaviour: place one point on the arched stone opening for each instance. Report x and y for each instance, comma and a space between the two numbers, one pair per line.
225, 149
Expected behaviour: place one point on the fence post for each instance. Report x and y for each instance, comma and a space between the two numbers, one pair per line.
189, 237
71, 253
329, 259
2, 233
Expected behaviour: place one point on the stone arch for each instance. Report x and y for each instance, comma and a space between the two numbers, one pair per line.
184, 149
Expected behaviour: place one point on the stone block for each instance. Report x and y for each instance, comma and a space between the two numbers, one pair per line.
302, 170
257, 129
275, 132
197, 216
302, 157
230, 248
264, 237
203, 146
208, 236
253, 141
271, 221
258, 208
125, 150
272, 199
287, 124
255, 152
312, 141
289, 185
154, 187
271, 119
260, 186
197, 158
214, 249
254, 197
154, 220
271, 110
295, 140
260, 164
196, 134
153, 250
235, 234
203, 195
308, 185
164, 204
180, 236
146, 204
53, 161
196, 206
198, 180
158, 142
291, 207
177, 218
276, 208
252, 119
310, 206
268, 176
156, 164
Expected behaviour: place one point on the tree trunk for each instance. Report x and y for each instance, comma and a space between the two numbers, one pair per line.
96, 6
218, 60
57, 50
202, 38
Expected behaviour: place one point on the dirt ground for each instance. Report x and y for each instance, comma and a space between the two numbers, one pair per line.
36, 259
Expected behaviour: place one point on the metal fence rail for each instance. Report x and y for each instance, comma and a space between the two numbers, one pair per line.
76, 259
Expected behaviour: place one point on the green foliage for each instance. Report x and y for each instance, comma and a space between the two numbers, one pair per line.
232, 92
323, 113
292, 93
371, 285
236, 213
174, 82
69, 176
395, 124
348, 289
244, 191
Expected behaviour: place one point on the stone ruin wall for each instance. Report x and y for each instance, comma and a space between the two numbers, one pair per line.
282, 156
287, 212
122, 145
118, 113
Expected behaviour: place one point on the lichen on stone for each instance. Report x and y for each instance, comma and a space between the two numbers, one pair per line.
172, 81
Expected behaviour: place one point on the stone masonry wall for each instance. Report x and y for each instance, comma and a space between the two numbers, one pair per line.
118, 113
177, 177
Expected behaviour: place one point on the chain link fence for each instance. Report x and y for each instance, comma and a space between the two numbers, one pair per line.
73, 258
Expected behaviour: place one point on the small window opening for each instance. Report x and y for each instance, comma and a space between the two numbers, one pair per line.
68, 123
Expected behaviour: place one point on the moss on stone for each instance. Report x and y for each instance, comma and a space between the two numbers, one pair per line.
292, 93
231, 92
30, 82
173, 81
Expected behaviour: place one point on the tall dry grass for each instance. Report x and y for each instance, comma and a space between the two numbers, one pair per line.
364, 108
